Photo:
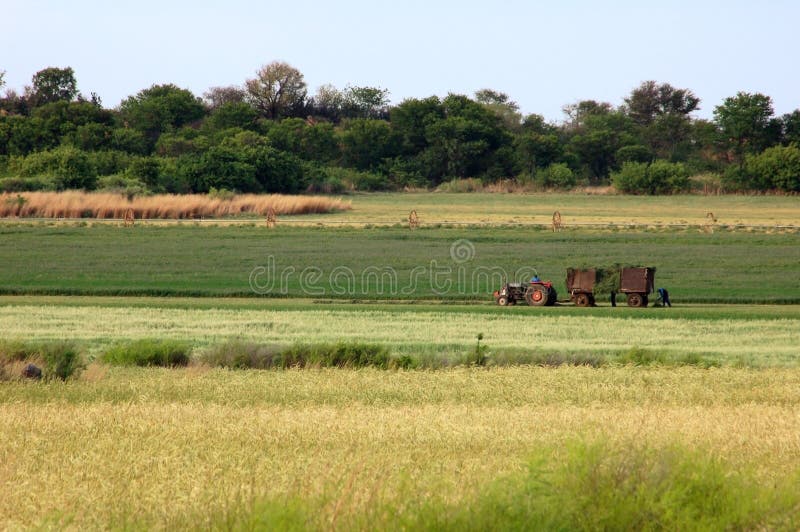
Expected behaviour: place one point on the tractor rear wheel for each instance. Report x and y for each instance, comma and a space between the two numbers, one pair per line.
582, 300
536, 296
636, 300
502, 301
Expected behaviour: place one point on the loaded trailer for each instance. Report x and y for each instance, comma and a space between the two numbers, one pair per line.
637, 283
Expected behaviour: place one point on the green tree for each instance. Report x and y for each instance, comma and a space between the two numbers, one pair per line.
216, 97
277, 91
410, 120
160, 108
53, 85
501, 104
309, 141
367, 144
232, 114
649, 101
365, 102
791, 127
746, 122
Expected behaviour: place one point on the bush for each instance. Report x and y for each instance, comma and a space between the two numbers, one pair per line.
26, 184
557, 175
659, 177
237, 354
461, 185
69, 167
148, 352
59, 360
122, 184
775, 168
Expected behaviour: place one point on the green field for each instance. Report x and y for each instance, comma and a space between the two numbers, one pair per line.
576, 418
383, 263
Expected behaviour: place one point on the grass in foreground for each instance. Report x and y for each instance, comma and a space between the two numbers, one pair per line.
344, 449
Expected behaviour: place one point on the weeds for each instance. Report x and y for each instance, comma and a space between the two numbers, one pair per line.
148, 352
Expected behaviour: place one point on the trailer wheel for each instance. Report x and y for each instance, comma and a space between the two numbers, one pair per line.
637, 300
537, 296
582, 300
502, 301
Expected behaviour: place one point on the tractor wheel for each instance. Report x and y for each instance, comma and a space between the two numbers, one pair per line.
552, 297
636, 300
582, 300
502, 301
536, 296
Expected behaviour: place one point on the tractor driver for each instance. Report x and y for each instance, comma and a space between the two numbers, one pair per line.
535, 278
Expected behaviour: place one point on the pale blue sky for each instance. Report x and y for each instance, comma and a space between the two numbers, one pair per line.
543, 54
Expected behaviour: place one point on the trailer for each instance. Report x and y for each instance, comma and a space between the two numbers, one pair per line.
636, 282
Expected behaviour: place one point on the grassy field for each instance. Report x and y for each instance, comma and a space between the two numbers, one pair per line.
574, 208
158, 448
383, 263
581, 418
752, 336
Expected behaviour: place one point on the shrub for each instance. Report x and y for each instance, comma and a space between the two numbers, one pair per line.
461, 185
239, 355
557, 175
62, 360
659, 177
59, 360
777, 167
148, 352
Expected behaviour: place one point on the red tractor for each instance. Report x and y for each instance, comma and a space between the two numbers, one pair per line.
535, 293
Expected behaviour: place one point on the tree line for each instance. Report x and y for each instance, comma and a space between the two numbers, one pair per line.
270, 135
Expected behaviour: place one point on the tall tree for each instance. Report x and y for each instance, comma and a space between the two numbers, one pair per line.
365, 102
216, 97
502, 105
746, 121
649, 101
53, 85
277, 91
161, 108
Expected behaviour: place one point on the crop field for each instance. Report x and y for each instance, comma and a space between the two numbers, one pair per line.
449, 264
434, 207
478, 416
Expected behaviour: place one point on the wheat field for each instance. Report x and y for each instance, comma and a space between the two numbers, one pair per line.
75, 204
165, 449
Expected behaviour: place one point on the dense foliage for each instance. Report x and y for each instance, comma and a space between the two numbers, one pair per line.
270, 135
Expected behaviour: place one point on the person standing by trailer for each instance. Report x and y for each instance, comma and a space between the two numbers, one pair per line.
663, 295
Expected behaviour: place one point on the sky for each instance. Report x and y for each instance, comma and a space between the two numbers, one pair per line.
544, 55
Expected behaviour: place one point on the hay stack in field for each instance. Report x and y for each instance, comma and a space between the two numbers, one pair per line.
75, 204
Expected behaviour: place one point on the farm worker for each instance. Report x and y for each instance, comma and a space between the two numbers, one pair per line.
664, 296
535, 278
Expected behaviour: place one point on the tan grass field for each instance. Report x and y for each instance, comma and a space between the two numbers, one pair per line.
74, 204
156, 448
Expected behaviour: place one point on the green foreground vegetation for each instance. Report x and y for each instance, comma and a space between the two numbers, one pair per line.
442, 264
